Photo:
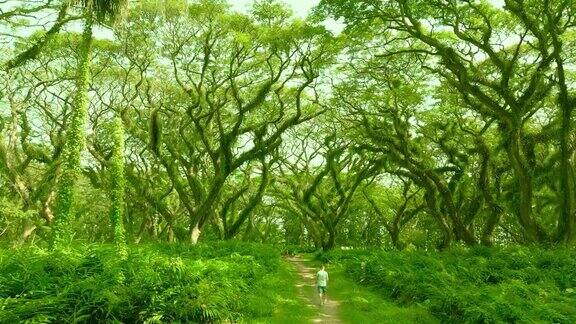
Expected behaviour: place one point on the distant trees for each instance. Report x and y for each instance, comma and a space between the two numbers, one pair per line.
403, 209
319, 178
424, 123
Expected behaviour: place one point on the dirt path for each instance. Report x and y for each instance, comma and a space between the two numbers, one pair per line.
327, 313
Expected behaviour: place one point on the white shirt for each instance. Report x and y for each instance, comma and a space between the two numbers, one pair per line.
322, 278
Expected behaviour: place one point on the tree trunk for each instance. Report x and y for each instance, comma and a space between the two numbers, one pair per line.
75, 141
170, 234
118, 184
533, 232
143, 226
494, 208
490, 226
565, 231
395, 237
46, 209
195, 234
202, 214
447, 235
461, 231
254, 200
312, 232
330, 242
29, 228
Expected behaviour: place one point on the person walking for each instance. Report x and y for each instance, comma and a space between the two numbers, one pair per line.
322, 284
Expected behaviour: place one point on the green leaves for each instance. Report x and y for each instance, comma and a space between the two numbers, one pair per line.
105, 12
269, 12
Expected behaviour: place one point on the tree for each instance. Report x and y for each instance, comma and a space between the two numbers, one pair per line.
319, 180
97, 11
220, 94
403, 210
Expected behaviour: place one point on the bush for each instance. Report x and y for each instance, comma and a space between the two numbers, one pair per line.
157, 283
480, 285
342, 256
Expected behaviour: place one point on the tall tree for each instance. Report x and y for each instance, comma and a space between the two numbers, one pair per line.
118, 184
94, 11
318, 182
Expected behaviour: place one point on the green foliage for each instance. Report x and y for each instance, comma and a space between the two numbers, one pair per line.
105, 11
481, 285
343, 256
11, 216
164, 283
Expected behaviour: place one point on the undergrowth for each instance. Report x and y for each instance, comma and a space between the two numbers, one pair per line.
480, 285
156, 283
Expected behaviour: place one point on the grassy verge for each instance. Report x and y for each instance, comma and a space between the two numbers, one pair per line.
220, 282
477, 285
360, 305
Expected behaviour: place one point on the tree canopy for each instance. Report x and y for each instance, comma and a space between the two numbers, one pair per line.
422, 123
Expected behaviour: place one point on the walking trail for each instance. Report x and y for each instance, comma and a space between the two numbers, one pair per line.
327, 313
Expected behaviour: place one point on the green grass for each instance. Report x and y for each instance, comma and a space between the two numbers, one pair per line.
220, 282
477, 285
358, 304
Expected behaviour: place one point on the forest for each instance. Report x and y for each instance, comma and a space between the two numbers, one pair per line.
196, 161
